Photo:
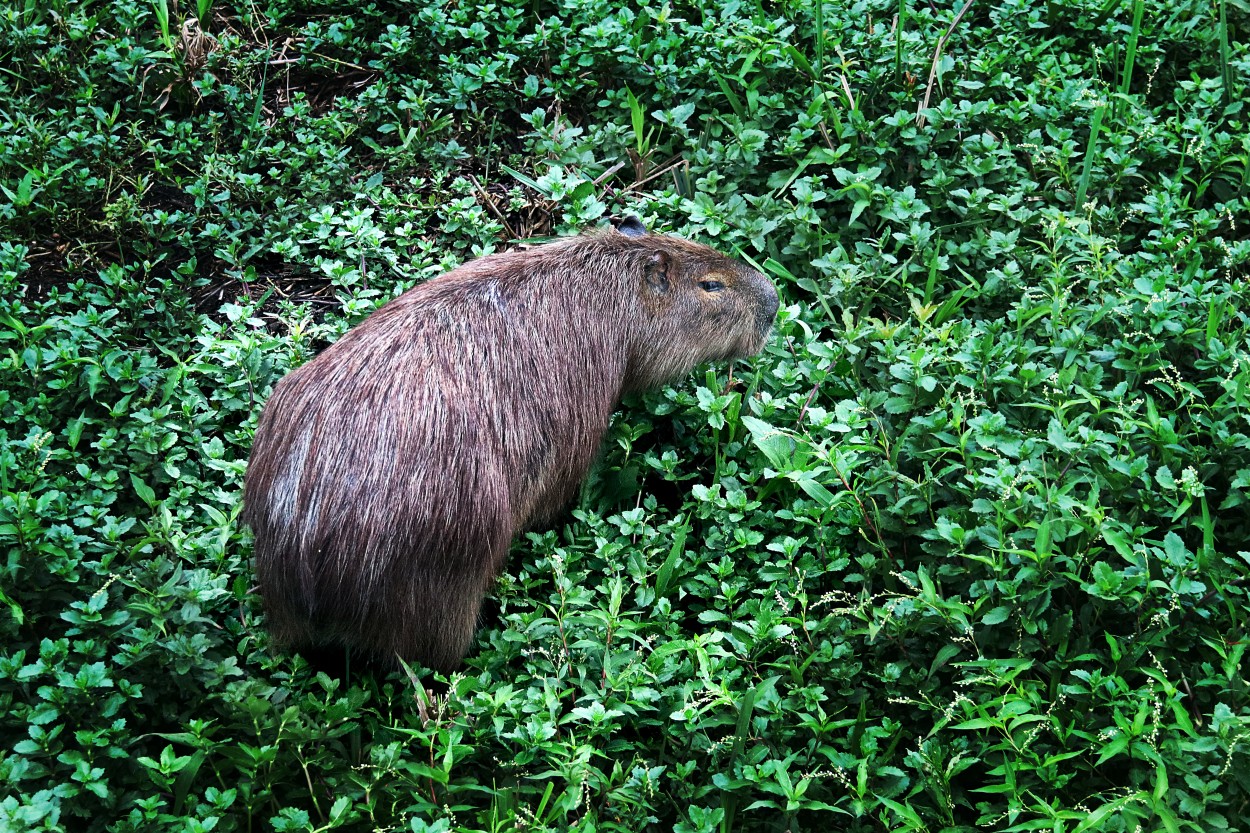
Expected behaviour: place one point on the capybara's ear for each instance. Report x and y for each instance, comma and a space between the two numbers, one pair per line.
630, 226
655, 272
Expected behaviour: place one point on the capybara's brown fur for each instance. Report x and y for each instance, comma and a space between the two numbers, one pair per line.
390, 473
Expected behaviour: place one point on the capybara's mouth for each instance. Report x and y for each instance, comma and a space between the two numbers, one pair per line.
764, 331
762, 338
768, 317
754, 344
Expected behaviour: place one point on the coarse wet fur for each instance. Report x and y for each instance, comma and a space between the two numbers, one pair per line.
390, 473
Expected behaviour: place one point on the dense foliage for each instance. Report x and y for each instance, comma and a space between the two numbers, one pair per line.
966, 548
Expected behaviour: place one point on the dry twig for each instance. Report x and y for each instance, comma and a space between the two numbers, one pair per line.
937, 56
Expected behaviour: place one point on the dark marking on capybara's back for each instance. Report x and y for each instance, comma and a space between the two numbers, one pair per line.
390, 473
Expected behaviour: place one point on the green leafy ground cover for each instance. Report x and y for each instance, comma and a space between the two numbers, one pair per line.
965, 549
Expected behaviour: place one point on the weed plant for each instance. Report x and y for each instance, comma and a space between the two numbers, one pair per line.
966, 549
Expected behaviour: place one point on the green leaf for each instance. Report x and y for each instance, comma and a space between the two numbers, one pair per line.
636, 119
1164, 477
944, 655
997, 616
1095, 818
800, 60
664, 576
858, 208
143, 490
525, 180
816, 491
1110, 750
186, 777
1118, 541
735, 102
74, 433
777, 445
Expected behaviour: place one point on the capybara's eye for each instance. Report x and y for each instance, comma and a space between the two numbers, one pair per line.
711, 286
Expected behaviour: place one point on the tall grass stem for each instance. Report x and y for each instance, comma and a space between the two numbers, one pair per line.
1130, 54
1091, 149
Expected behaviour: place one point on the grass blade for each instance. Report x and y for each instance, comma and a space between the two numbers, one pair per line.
937, 56
735, 102
741, 730
161, 9
820, 38
664, 576
1087, 167
636, 119
1130, 52
524, 180
1226, 67
899, 28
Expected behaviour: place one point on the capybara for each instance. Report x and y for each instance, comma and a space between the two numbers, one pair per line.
390, 473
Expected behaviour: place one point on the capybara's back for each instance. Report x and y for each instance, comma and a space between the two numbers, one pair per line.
389, 474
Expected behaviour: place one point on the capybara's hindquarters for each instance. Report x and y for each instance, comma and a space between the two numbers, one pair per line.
357, 544
407, 611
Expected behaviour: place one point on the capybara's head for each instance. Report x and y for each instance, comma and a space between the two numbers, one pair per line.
696, 306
